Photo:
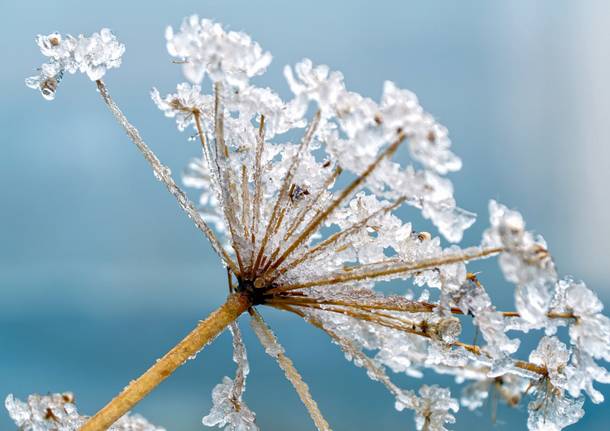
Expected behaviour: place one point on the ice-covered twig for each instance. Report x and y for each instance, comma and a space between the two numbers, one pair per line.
203, 334
163, 174
393, 268
275, 350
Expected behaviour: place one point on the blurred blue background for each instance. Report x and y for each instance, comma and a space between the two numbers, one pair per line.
100, 273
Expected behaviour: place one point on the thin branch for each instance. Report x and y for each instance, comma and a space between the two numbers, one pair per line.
402, 268
228, 188
239, 357
258, 189
375, 371
245, 201
275, 350
163, 174
387, 303
386, 321
196, 340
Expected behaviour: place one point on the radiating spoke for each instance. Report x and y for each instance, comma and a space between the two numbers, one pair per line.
275, 350
163, 174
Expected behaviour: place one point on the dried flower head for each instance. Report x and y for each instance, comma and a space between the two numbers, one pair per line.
310, 227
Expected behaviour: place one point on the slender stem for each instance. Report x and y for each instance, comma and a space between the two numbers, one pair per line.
163, 174
258, 187
225, 172
245, 201
388, 303
204, 333
402, 268
399, 325
274, 349
373, 368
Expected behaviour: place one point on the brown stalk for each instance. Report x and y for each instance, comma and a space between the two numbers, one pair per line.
228, 187
398, 269
196, 340
258, 177
370, 317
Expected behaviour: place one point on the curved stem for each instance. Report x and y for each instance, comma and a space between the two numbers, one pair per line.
198, 338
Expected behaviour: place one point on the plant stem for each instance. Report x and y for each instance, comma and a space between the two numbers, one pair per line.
198, 338
163, 174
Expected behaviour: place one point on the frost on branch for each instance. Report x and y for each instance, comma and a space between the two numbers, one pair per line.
57, 412
306, 194
92, 55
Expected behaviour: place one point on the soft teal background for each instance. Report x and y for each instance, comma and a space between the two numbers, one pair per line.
100, 273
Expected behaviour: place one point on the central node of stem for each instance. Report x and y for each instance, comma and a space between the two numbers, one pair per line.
256, 294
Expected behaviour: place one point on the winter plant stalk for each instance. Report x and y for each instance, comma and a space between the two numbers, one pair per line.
311, 227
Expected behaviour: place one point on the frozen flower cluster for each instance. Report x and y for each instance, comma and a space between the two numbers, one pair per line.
301, 200
57, 412
206, 48
92, 55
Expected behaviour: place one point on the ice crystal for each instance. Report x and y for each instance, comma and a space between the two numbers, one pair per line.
551, 411
229, 409
92, 55
207, 49
304, 195
57, 412
433, 409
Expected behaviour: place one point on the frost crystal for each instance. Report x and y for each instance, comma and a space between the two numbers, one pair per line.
57, 412
229, 410
433, 409
550, 411
92, 55
206, 48
306, 197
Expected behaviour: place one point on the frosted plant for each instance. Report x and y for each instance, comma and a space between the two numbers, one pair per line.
57, 412
310, 227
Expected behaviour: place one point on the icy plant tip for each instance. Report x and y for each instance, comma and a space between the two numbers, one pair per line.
291, 238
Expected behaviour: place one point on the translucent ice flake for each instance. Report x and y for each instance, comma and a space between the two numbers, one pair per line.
434, 407
590, 330
525, 258
553, 355
205, 47
317, 84
92, 55
551, 411
226, 413
57, 412
473, 299
428, 141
